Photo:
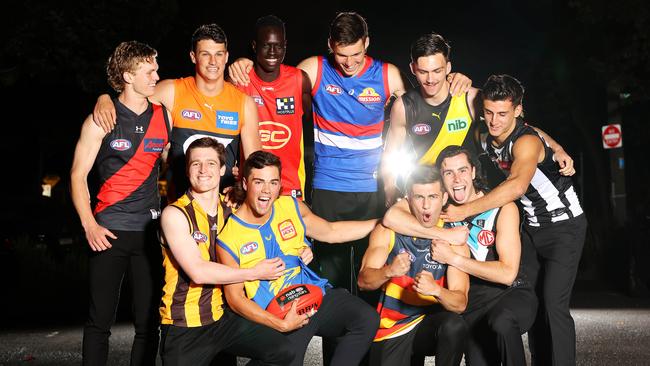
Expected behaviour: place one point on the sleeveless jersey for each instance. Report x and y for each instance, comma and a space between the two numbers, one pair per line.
185, 303
348, 124
400, 307
550, 196
196, 115
432, 128
128, 163
279, 104
283, 235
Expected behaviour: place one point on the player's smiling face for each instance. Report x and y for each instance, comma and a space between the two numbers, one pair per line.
262, 189
500, 117
458, 175
210, 59
350, 59
270, 47
204, 170
426, 201
431, 72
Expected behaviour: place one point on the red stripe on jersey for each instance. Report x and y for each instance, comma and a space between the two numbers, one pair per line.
131, 176
403, 281
348, 129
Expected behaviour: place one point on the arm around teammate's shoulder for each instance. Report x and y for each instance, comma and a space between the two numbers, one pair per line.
310, 66
333, 232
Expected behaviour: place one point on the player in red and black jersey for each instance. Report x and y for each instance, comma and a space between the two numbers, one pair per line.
120, 231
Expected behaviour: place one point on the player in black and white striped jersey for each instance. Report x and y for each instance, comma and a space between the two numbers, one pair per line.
554, 220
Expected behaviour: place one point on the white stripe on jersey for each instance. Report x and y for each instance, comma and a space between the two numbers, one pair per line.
547, 191
346, 142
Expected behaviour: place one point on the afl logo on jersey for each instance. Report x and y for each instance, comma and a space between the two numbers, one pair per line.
333, 89
120, 144
274, 135
421, 129
199, 237
249, 248
485, 238
191, 114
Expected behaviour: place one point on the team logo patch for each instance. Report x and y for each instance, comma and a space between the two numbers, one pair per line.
421, 129
296, 193
199, 237
485, 238
249, 248
139, 129
333, 89
456, 125
287, 230
265, 88
369, 95
480, 223
258, 100
191, 114
120, 144
285, 105
227, 120
154, 145
274, 135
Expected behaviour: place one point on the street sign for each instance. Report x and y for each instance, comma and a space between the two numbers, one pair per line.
612, 136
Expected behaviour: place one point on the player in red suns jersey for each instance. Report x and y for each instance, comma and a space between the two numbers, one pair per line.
283, 97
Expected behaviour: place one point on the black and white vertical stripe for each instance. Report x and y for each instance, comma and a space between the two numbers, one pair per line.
550, 197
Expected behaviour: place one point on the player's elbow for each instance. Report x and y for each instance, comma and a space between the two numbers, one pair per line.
508, 276
363, 284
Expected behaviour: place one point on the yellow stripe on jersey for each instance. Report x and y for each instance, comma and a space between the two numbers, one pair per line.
453, 131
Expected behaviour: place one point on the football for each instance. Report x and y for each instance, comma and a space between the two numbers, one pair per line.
309, 298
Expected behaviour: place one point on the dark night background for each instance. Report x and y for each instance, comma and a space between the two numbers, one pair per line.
584, 64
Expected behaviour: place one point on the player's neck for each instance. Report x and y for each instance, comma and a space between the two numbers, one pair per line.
247, 214
136, 102
208, 200
209, 88
267, 76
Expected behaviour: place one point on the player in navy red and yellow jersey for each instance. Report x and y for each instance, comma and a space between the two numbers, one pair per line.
283, 98
201, 105
421, 298
268, 225
121, 229
196, 325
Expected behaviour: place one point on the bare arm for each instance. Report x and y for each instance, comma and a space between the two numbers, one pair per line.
471, 100
334, 232
391, 159
176, 233
85, 154
310, 66
508, 246
242, 305
238, 71
559, 155
395, 82
374, 271
399, 219
527, 152
458, 83
104, 114
250, 136
452, 298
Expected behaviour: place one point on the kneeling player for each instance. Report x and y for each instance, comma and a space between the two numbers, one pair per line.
421, 299
266, 226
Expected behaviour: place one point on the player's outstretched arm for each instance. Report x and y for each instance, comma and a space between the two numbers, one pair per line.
177, 236
399, 219
334, 232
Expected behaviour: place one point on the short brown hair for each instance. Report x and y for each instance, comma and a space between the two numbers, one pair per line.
126, 58
207, 142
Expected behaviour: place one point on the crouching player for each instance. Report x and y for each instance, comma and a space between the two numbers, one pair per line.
266, 226
421, 298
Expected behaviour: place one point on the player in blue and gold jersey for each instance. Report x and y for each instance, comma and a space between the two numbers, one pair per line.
421, 299
266, 226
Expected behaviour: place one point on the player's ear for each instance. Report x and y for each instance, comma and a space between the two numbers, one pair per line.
412, 67
448, 67
128, 77
244, 184
222, 170
193, 57
253, 45
445, 196
366, 43
518, 110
